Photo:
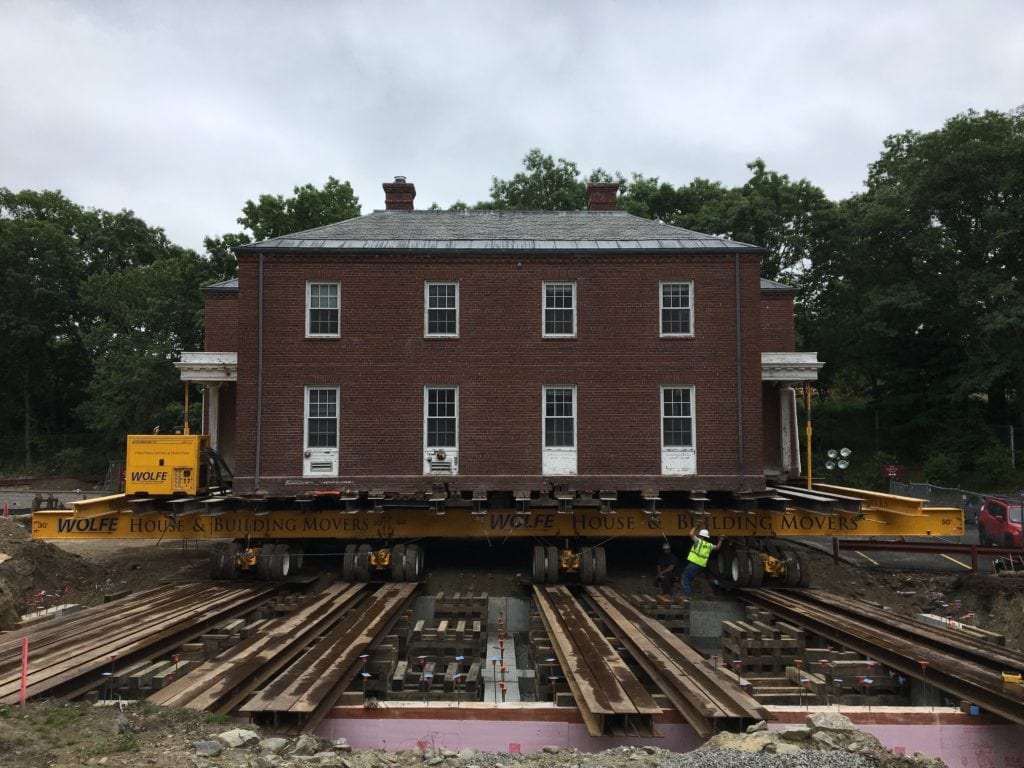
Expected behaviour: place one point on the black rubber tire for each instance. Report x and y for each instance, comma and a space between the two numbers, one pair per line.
740, 568
363, 563
298, 557
281, 563
720, 565
600, 566
587, 566
537, 571
551, 567
263, 560
805, 570
791, 578
724, 568
413, 562
217, 552
398, 562
756, 568
348, 563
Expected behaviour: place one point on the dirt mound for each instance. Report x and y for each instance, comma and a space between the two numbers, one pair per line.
36, 575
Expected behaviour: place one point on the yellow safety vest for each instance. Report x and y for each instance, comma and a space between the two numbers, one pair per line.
700, 553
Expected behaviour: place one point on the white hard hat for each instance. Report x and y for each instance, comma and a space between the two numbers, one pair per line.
704, 533
666, 545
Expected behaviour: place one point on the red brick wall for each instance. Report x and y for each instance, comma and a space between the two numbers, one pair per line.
500, 363
772, 427
777, 328
221, 321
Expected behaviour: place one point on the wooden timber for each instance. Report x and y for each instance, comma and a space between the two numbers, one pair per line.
610, 698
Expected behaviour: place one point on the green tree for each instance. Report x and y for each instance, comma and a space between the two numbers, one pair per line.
546, 185
145, 316
926, 284
275, 215
53, 254
39, 273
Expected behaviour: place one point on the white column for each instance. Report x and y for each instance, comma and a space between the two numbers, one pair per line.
789, 453
212, 396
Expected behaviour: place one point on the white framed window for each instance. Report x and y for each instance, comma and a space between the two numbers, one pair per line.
440, 430
559, 310
678, 438
441, 309
323, 309
676, 309
320, 432
559, 417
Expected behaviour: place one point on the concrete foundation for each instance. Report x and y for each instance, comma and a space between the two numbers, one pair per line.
954, 737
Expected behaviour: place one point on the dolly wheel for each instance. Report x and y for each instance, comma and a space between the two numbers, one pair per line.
552, 565
398, 562
348, 563
587, 566
263, 561
363, 563
600, 566
280, 563
413, 562
537, 573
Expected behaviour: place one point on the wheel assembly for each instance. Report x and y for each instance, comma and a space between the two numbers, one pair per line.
398, 562
224, 561
756, 568
551, 568
587, 566
413, 562
280, 562
348, 563
537, 572
740, 568
600, 566
362, 568
263, 561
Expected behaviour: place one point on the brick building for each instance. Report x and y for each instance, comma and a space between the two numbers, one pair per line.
501, 354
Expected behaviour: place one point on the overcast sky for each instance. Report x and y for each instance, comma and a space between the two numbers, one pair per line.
181, 111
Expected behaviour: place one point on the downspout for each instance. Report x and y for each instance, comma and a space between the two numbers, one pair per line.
739, 372
259, 377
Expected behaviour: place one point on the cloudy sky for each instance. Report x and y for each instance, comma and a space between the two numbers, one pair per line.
181, 111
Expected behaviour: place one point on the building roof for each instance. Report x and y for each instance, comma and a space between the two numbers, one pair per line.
226, 286
772, 285
499, 231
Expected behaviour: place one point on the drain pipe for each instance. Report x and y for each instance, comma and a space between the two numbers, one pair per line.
259, 378
739, 371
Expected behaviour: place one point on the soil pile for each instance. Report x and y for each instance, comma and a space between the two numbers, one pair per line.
35, 575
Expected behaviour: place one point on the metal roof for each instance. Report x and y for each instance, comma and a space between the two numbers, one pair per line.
545, 231
227, 286
772, 285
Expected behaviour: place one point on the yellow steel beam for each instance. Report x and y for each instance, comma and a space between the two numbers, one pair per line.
99, 506
398, 523
905, 505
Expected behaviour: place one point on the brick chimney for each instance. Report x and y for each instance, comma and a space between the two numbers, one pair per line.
602, 196
398, 196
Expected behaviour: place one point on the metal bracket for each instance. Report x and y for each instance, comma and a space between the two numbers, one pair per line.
479, 501
606, 498
651, 499
376, 498
522, 502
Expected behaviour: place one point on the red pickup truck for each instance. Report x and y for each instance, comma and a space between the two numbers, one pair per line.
1000, 523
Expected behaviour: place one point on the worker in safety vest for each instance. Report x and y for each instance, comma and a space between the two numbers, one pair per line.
697, 560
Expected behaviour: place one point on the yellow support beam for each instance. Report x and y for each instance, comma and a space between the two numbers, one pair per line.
89, 522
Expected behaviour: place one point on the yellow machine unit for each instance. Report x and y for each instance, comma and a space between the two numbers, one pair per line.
165, 465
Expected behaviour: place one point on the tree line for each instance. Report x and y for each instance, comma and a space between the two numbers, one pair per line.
910, 291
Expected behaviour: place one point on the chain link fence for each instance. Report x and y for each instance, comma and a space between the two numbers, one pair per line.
939, 496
